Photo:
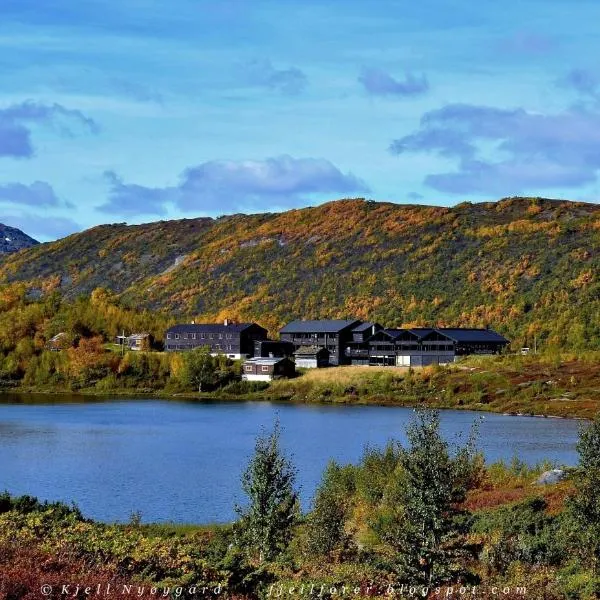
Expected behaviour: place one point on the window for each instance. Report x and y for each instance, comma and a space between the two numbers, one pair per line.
169, 336
193, 336
176, 336
211, 336
264, 369
228, 336
202, 336
220, 336
248, 368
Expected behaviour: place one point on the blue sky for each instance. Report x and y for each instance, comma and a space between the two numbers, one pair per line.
144, 110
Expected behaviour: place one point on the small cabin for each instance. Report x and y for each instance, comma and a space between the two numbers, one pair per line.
267, 369
135, 341
311, 357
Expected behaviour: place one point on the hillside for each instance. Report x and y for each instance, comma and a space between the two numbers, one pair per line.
13, 240
525, 266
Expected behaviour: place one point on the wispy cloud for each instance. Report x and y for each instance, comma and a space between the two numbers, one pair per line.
531, 151
584, 82
39, 194
17, 121
230, 185
262, 73
42, 227
377, 82
132, 199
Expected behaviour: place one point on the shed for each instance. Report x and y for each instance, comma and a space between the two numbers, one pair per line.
267, 369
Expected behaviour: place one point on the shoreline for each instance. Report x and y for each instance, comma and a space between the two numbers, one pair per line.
212, 398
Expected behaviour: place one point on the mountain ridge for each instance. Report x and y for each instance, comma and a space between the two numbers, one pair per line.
527, 266
13, 240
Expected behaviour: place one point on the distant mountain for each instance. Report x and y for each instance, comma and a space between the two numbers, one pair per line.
13, 240
526, 266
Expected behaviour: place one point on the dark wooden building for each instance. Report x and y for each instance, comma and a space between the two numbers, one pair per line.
423, 346
273, 349
267, 369
333, 334
235, 340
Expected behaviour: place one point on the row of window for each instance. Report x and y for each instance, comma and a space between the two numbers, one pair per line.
198, 336
314, 336
408, 347
228, 347
263, 368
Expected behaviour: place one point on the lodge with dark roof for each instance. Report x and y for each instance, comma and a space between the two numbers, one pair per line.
319, 343
332, 334
234, 340
365, 343
422, 346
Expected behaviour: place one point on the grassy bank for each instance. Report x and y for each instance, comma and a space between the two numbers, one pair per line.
558, 385
551, 385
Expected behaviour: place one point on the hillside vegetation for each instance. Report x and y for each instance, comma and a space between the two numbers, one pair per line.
527, 266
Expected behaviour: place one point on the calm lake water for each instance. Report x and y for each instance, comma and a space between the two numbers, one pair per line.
181, 461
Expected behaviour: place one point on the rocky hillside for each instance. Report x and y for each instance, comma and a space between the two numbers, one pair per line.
527, 266
13, 240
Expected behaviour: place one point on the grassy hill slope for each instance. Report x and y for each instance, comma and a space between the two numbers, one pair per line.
526, 266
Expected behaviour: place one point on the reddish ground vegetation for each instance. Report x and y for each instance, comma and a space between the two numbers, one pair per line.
25, 569
486, 498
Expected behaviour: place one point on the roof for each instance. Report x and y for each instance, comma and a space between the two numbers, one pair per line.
456, 334
421, 332
310, 350
395, 333
365, 326
137, 336
322, 326
265, 361
473, 335
211, 327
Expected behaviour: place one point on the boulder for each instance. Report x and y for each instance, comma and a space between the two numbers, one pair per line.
551, 477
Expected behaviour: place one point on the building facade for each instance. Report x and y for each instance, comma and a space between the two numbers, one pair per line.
234, 340
273, 349
267, 369
418, 347
333, 334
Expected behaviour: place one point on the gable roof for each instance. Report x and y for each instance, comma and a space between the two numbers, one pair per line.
421, 332
321, 326
365, 326
456, 334
396, 333
211, 327
473, 335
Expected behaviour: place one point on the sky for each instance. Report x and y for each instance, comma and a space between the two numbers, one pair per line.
139, 110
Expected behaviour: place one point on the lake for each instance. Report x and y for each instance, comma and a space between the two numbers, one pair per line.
182, 461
